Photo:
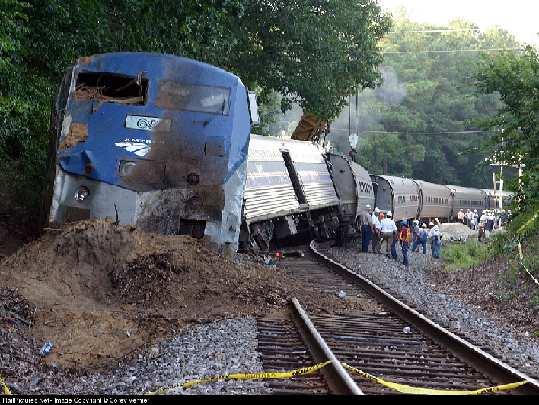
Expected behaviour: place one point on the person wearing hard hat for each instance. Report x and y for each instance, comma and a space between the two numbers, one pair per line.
388, 228
375, 230
365, 219
423, 237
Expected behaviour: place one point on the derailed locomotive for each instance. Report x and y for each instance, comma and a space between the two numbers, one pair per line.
153, 140
163, 143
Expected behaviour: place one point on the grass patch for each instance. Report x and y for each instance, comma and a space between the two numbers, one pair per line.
464, 255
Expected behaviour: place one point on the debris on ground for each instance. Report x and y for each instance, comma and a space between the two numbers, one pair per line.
102, 292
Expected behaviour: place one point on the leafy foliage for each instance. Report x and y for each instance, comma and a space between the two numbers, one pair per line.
463, 256
516, 142
440, 97
312, 52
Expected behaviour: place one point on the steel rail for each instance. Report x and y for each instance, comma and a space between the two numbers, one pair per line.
337, 378
484, 362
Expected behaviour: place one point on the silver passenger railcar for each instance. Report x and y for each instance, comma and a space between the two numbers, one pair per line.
354, 188
434, 200
288, 190
467, 198
396, 194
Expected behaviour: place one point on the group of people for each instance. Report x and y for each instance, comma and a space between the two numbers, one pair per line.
379, 228
488, 220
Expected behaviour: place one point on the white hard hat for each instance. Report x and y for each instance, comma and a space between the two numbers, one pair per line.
474, 210
431, 224
368, 206
389, 214
376, 210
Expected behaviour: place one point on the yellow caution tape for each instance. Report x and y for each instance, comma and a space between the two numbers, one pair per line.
402, 388
407, 389
5, 388
246, 376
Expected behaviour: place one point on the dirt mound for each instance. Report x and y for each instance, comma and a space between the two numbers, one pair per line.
102, 291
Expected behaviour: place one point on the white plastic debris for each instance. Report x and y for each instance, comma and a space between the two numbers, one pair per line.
407, 329
342, 295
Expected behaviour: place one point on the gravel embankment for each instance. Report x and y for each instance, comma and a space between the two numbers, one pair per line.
220, 347
414, 287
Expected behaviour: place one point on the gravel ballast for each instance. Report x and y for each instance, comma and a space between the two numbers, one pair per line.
414, 287
219, 347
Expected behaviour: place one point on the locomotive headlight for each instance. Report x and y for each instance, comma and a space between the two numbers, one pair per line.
126, 167
82, 193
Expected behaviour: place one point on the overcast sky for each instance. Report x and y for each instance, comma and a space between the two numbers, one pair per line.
520, 17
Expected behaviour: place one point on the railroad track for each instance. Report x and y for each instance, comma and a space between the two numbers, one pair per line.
394, 342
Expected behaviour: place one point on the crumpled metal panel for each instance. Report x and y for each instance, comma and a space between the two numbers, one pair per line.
313, 174
364, 190
268, 190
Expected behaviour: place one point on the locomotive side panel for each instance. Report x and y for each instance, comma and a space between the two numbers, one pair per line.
345, 184
313, 175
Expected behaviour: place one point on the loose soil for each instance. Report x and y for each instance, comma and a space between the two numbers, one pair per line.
510, 299
101, 292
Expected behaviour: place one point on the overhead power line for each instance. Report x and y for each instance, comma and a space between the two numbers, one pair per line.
428, 133
341, 129
440, 30
454, 51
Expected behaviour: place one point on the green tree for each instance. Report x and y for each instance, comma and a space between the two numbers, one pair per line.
515, 77
441, 105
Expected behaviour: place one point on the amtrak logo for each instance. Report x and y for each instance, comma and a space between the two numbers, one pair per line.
140, 148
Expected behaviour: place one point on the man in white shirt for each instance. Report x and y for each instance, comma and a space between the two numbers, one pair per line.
365, 220
388, 229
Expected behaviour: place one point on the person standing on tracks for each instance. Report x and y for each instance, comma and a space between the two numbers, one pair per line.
405, 238
366, 228
388, 228
375, 231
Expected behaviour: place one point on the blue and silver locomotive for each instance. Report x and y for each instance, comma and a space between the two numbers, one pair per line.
154, 140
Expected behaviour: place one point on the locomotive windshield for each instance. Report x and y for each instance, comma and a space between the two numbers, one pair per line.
189, 97
111, 87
